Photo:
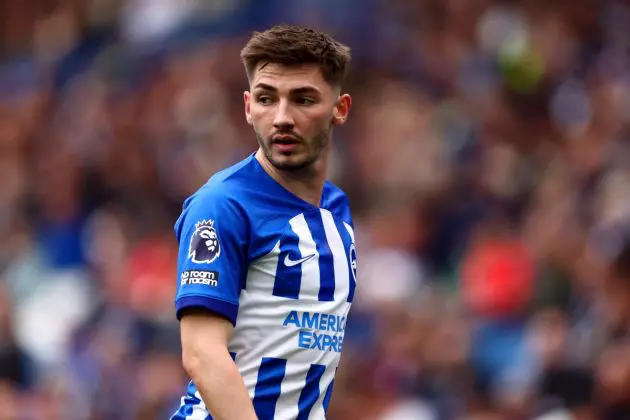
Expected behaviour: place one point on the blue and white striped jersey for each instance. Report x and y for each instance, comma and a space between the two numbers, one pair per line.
284, 272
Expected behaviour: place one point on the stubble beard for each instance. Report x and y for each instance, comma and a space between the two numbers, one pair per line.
315, 149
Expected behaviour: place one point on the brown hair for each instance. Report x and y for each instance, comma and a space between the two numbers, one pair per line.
291, 45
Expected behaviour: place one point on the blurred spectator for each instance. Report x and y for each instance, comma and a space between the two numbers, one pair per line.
486, 160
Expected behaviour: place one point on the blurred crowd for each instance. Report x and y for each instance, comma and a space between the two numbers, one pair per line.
486, 160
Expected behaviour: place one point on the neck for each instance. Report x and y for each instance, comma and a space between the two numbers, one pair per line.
308, 183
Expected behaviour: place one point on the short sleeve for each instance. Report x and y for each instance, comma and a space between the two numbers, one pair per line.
212, 260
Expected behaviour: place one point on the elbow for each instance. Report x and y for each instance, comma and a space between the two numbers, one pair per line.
200, 360
192, 361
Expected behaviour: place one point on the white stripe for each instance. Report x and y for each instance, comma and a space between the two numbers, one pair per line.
290, 389
340, 256
182, 403
350, 230
249, 373
310, 268
263, 269
317, 413
199, 411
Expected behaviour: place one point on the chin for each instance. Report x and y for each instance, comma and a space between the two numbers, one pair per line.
291, 162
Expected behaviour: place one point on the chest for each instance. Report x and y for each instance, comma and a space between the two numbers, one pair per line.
312, 258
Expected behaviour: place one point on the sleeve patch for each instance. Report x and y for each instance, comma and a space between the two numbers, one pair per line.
204, 245
203, 277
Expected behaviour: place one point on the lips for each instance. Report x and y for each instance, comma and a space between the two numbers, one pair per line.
284, 139
285, 144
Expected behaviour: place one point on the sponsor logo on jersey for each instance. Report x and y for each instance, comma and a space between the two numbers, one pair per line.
291, 263
318, 331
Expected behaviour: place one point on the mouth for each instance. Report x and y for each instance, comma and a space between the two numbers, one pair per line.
285, 144
284, 139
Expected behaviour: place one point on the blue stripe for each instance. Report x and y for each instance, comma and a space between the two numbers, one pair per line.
288, 279
310, 392
191, 390
180, 414
188, 404
328, 395
326, 261
267, 392
347, 244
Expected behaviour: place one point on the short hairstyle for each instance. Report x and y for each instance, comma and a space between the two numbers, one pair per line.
291, 45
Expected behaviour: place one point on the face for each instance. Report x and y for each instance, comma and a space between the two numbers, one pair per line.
293, 111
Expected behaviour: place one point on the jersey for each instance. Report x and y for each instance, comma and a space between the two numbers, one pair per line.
283, 271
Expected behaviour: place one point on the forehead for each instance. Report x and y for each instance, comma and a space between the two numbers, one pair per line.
290, 77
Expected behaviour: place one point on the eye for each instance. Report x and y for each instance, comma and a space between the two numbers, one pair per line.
264, 100
304, 101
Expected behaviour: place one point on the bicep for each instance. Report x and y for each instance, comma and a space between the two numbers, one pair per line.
200, 328
204, 337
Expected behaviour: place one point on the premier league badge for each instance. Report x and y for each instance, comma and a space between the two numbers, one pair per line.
204, 244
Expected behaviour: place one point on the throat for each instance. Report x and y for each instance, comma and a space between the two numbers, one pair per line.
307, 184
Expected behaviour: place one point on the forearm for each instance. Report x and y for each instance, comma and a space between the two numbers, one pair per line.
221, 386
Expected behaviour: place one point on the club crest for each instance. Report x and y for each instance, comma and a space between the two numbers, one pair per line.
204, 243
352, 254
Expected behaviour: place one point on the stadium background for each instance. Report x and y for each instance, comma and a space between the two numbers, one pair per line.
486, 159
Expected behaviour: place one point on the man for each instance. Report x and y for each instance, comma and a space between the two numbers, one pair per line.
267, 262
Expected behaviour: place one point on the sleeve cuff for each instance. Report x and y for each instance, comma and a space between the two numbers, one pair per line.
220, 307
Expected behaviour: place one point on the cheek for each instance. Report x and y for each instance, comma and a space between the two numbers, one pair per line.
260, 117
315, 122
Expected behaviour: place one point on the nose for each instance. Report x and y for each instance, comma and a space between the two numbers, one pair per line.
283, 119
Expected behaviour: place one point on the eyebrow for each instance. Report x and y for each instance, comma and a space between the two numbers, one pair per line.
297, 91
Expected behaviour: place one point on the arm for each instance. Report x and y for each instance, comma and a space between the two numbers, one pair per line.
206, 359
213, 241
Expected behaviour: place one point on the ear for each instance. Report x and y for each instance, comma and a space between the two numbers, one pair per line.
342, 109
247, 99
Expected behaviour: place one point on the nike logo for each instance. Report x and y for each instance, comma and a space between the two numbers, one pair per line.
291, 263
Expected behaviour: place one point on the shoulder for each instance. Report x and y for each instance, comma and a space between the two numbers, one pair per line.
226, 187
223, 197
336, 201
233, 175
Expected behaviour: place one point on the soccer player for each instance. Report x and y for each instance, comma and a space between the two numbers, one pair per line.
267, 260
